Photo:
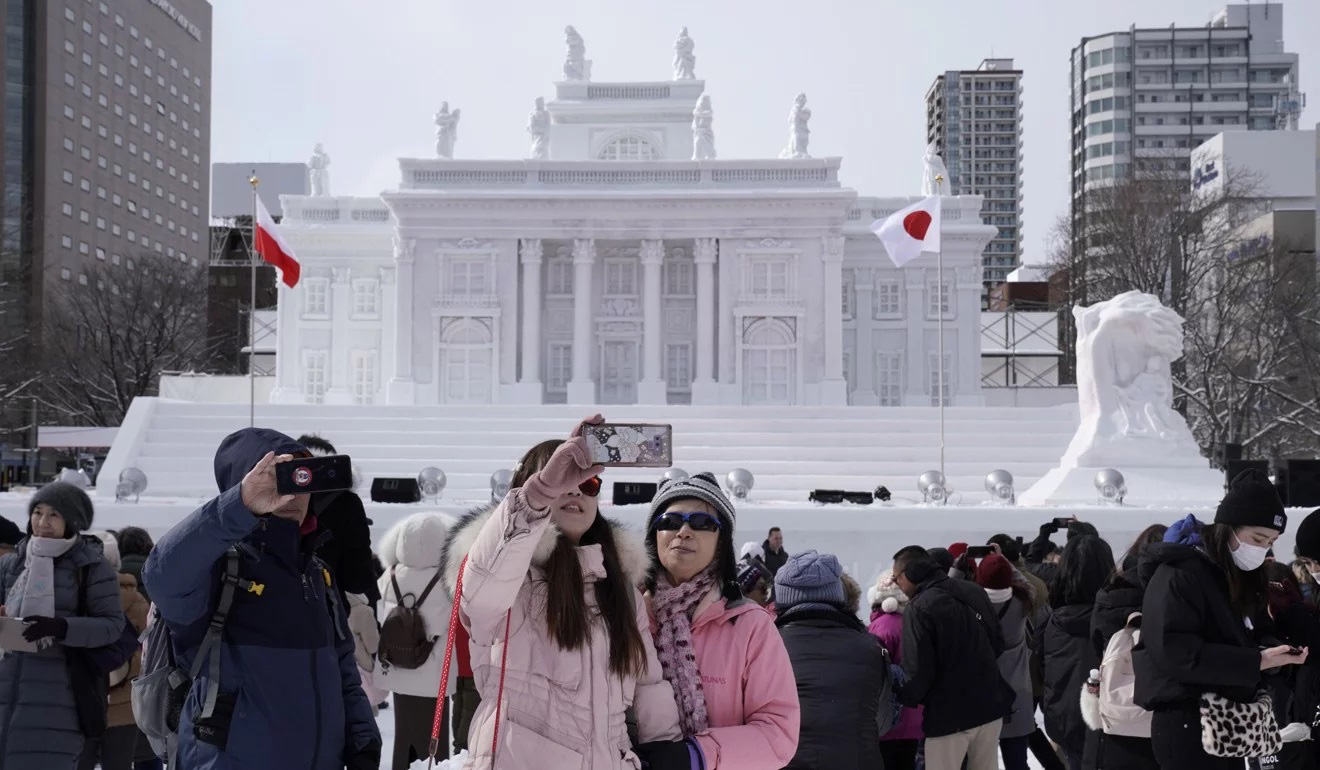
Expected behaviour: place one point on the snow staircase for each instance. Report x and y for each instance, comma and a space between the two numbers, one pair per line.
790, 450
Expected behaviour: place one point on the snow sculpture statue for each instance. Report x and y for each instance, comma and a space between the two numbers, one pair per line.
576, 66
798, 132
1124, 385
703, 130
935, 180
685, 62
538, 125
318, 172
446, 131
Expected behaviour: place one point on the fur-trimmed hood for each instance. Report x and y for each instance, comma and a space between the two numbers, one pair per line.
630, 545
417, 541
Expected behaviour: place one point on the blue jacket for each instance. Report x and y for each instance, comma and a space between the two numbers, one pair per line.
288, 680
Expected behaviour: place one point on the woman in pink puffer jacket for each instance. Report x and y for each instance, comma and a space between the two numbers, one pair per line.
737, 697
899, 746
550, 599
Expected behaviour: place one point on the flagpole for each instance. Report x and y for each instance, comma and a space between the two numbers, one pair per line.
939, 281
252, 309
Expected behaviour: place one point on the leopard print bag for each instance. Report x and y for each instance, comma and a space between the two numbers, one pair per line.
1232, 729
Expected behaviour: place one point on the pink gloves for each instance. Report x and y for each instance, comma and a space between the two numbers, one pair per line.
567, 468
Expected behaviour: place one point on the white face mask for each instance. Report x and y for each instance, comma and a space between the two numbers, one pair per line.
1315, 576
1249, 557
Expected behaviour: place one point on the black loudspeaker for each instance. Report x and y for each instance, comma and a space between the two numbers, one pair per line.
395, 491
1299, 483
1235, 468
859, 498
634, 492
827, 496
1229, 452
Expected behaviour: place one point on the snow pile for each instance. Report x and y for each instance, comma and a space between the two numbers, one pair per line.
456, 763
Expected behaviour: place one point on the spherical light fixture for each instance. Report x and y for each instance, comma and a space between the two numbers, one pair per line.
674, 474
999, 484
500, 481
431, 481
75, 476
933, 487
1110, 486
740, 482
132, 483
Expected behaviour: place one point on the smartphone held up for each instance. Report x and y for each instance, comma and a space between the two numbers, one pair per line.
306, 475
630, 445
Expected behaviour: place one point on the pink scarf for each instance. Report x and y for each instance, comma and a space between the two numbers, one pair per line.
673, 606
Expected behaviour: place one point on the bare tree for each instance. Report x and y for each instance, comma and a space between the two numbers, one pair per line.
107, 341
1251, 372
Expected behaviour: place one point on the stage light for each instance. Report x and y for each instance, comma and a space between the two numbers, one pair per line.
1109, 483
883, 494
674, 474
1000, 486
132, 483
431, 481
740, 482
500, 482
933, 487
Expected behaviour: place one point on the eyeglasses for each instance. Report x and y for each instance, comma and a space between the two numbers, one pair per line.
591, 487
700, 521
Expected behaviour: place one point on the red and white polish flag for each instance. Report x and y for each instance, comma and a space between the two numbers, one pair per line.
908, 233
273, 248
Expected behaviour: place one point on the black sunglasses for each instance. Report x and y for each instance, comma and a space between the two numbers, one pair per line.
700, 521
591, 487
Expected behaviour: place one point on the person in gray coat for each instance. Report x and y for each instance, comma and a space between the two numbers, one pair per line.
1010, 594
39, 582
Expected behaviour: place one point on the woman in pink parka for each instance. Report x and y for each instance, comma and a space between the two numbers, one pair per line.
559, 582
898, 746
732, 678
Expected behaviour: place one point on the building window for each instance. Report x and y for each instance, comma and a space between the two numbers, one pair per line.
769, 363
558, 366
468, 278
678, 367
768, 278
678, 278
935, 380
314, 376
939, 300
559, 278
466, 353
889, 378
366, 303
364, 376
630, 147
316, 302
620, 278
849, 298
66, 242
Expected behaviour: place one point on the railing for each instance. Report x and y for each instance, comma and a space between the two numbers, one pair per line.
627, 92
442, 174
451, 301
319, 210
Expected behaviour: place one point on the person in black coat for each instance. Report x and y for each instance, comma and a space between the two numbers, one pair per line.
1196, 632
842, 671
1293, 688
1114, 604
1066, 645
775, 555
1040, 550
10, 535
951, 647
348, 553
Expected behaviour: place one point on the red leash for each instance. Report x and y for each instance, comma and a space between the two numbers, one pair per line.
440, 699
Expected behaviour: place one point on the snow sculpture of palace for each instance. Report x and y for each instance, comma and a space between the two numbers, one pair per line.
613, 268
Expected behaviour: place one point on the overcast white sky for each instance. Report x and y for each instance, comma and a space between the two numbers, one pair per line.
366, 77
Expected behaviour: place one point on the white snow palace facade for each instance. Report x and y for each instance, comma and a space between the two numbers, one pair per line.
614, 268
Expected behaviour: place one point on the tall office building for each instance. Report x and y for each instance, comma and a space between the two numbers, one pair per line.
974, 118
106, 144
1142, 99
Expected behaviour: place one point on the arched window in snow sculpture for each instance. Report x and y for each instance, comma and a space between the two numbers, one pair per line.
629, 147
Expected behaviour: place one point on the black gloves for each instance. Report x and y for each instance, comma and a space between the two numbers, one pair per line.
364, 759
39, 627
1049, 528
670, 755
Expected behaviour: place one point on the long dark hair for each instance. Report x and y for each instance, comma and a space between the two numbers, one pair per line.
1087, 563
1152, 534
566, 613
1246, 590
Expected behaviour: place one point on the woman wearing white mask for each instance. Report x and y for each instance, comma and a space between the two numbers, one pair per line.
1197, 629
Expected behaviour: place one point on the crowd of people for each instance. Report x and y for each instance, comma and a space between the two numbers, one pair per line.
570, 641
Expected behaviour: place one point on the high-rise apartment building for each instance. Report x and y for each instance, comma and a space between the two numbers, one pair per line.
1142, 99
106, 143
974, 118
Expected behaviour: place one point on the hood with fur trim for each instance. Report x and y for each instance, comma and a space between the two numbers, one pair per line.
886, 596
632, 551
417, 541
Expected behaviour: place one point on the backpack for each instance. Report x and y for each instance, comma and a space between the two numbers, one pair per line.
1119, 715
161, 687
404, 641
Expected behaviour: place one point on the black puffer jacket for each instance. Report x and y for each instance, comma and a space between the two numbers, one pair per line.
1113, 606
1069, 656
951, 647
348, 552
842, 679
1191, 639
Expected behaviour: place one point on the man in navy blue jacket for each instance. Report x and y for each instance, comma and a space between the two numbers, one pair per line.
290, 694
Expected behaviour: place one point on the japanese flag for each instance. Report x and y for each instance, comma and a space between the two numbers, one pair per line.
907, 233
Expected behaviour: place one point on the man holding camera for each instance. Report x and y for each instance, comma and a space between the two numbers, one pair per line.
289, 693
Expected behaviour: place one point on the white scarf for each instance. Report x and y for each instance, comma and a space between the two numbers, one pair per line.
33, 594
999, 595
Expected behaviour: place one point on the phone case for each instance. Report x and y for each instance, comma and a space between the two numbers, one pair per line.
636, 445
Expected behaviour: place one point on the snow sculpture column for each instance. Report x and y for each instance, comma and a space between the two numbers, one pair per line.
530, 378
340, 307
834, 388
581, 389
288, 350
651, 390
704, 388
864, 354
402, 388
